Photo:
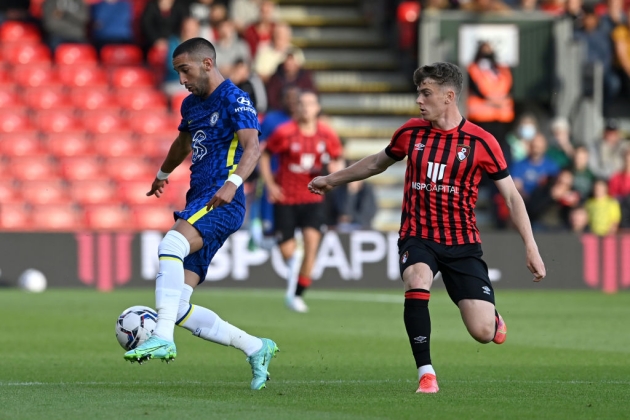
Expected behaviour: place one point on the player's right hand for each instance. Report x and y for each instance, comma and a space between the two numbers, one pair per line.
157, 188
319, 185
275, 193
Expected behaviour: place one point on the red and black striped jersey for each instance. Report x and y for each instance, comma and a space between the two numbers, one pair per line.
442, 178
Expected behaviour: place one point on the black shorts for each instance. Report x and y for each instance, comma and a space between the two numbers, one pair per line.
464, 273
288, 217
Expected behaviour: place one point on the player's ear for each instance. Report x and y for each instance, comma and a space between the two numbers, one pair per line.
208, 63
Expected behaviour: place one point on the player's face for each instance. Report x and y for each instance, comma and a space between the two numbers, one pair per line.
308, 107
432, 99
193, 73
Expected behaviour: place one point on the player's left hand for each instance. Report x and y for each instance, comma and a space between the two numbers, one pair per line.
225, 195
535, 264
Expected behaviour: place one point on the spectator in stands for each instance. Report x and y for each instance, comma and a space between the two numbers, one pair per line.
596, 38
243, 13
65, 21
578, 220
614, 15
519, 140
259, 32
621, 41
528, 174
289, 73
271, 55
160, 20
553, 7
550, 203
352, 206
242, 76
574, 12
619, 184
14, 10
561, 149
230, 48
201, 10
112, 22
486, 6
604, 212
190, 29
490, 104
607, 155
583, 178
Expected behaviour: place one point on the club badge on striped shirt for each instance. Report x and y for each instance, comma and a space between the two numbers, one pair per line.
463, 150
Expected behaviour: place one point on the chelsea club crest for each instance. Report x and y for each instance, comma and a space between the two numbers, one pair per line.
214, 118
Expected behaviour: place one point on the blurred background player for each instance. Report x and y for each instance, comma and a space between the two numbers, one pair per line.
221, 128
305, 147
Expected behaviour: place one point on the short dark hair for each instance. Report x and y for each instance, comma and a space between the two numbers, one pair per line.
443, 73
196, 46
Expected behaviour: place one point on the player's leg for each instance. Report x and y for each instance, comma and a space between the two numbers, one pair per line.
285, 224
418, 265
176, 245
310, 219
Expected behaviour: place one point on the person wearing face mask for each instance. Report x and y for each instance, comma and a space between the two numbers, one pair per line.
490, 104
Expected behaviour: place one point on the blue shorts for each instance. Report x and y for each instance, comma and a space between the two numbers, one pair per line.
215, 226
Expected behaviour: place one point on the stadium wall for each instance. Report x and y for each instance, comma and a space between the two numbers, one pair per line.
362, 259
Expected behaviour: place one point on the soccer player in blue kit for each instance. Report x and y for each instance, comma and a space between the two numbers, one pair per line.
220, 126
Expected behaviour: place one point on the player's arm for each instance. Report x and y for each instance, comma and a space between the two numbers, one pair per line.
519, 217
365, 168
248, 138
180, 148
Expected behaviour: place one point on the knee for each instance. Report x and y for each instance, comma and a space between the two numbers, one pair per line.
483, 332
174, 244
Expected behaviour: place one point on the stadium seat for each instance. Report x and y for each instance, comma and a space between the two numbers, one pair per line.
92, 192
155, 146
30, 168
35, 76
36, 8
20, 144
153, 218
142, 100
101, 122
157, 56
79, 76
59, 217
48, 98
12, 121
129, 169
15, 31
9, 99
9, 192
80, 168
146, 122
177, 100
121, 55
14, 216
134, 193
107, 217
56, 120
68, 144
76, 54
45, 192
89, 98
115, 144
125, 77
22, 53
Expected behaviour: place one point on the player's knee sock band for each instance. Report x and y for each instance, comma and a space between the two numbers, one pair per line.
169, 282
418, 324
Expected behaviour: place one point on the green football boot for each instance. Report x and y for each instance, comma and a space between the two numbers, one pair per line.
260, 363
153, 348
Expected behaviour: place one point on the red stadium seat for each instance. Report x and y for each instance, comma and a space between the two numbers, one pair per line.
20, 144
36, 8
98, 122
93, 192
47, 98
145, 122
29, 168
80, 168
21, 53
45, 192
153, 218
157, 57
134, 193
75, 54
107, 217
129, 169
14, 216
35, 76
89, 98
115, 144
121, 55
14, 31
9, 99
56, 121
12, 121
82, 76
142, 100
125, 77
155, 146
68, 144
60, 217
9, 192
177, 100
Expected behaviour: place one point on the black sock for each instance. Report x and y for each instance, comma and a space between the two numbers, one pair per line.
299, 290
418, 324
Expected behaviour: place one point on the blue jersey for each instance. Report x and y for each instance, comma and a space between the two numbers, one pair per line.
212, 124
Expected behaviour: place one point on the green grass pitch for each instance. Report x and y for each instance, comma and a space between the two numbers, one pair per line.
567, 357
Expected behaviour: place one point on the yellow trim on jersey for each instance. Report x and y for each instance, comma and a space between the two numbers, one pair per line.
170, 259
192, 219
231, 154
183, 321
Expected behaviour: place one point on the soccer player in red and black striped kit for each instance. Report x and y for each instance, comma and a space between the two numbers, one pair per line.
446, 155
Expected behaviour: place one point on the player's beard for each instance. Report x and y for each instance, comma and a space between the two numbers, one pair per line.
202, 88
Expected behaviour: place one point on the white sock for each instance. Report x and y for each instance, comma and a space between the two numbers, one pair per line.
292, 275
169, 282
425, 369
206, 324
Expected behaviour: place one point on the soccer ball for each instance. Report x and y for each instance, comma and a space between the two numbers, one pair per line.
32, 280
134, 326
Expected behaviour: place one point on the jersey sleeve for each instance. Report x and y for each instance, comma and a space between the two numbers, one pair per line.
491, 158
333, 146
278, 141
399, 144
242, 113
183, 125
